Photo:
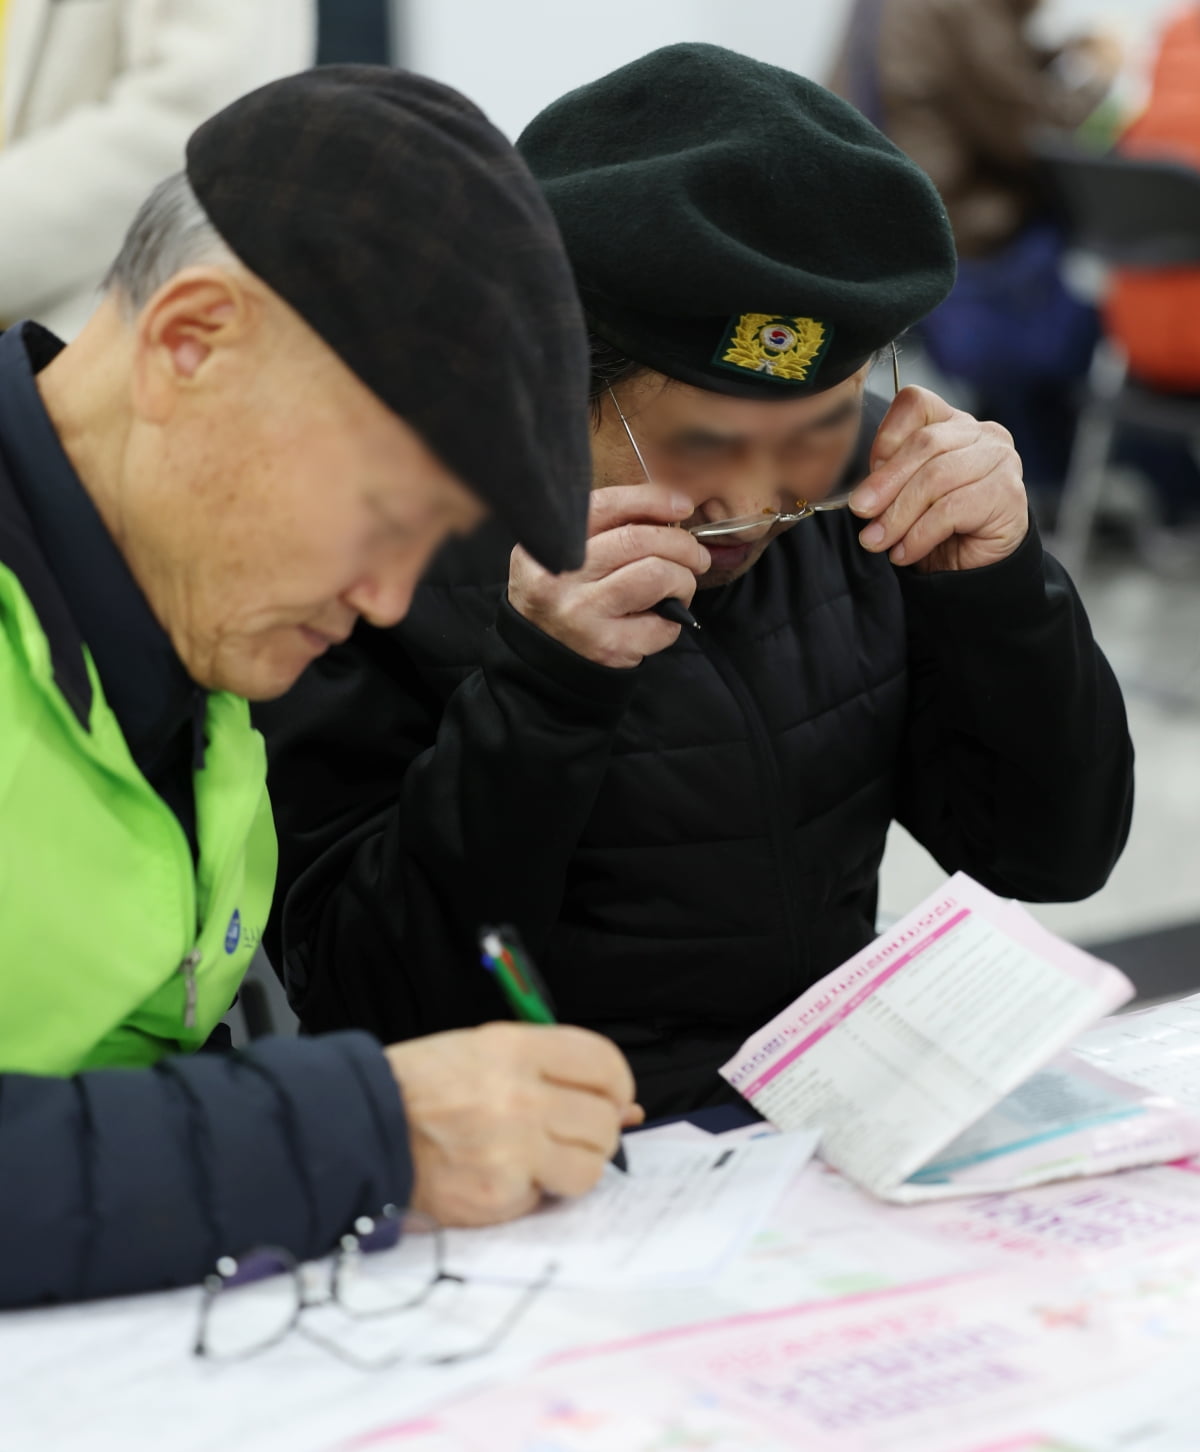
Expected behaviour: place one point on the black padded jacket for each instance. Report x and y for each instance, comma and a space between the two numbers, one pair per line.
688, 845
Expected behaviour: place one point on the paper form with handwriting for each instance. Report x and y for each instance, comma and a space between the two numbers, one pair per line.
932, 1062
684, 1209
131, 1371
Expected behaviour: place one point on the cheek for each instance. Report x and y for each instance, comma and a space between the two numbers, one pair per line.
309, 558
822, 467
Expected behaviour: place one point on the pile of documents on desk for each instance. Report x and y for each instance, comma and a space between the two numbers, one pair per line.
947, 1059
1062, 1317
940, 1280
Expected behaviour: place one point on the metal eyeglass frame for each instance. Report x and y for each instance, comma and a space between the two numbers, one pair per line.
805, 509
368, 1236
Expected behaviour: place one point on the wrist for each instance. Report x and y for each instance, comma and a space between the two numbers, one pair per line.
998, 594
592, 684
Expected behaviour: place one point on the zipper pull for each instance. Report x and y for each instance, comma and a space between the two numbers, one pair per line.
188, 969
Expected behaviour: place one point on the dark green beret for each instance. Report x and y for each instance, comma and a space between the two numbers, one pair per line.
736, 226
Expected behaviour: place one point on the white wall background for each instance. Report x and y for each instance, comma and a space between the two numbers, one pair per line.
512, 57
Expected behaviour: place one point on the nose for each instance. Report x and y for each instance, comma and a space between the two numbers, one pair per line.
384, 599
749, 491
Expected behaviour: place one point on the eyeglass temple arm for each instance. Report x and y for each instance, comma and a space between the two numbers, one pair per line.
629, 431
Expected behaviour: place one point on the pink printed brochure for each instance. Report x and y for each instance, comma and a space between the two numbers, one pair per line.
936, 1062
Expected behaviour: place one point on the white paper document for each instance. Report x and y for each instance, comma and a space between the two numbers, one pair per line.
1157, 1410
930, 1062
685, 1207
1156, 1048
959, 1366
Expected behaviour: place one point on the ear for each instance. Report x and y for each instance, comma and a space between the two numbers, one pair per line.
185, 331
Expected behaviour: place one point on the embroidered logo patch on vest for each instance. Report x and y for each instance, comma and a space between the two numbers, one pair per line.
789, 349
233, 933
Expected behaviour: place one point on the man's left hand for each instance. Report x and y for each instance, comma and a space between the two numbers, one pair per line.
945, 492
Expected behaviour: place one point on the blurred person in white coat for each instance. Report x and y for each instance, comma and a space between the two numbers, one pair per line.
97, 98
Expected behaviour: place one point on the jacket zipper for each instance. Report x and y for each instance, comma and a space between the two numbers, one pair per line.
771, 787
188, 969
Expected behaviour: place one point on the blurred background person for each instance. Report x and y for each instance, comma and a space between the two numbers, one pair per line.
963, 89
1154, 316
97, 98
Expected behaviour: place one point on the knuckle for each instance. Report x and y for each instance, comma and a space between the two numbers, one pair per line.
660, 574
495, 1192
627, 540
602, 506
581, 1172
496, 1034
942, 473
501, 1046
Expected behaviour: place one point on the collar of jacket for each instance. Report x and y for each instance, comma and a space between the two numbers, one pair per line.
21, 553
74, 573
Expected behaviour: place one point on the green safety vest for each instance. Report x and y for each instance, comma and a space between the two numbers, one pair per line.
115, 948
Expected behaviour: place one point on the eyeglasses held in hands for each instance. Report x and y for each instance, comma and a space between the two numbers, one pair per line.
765, 518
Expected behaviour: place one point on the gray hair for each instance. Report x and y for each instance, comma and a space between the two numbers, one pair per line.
170, 232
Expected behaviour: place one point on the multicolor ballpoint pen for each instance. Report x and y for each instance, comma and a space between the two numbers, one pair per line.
504, 956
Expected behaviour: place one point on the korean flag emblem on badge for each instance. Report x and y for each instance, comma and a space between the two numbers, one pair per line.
786, 349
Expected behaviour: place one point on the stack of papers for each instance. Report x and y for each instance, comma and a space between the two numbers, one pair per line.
933, 1063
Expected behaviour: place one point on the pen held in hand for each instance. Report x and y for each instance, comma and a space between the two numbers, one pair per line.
504, 956
676, 612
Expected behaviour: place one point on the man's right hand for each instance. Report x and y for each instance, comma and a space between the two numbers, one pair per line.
633, 561
502, 1114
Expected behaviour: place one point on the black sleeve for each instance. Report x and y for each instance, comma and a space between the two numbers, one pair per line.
1018, 767
405, 822
125, 1180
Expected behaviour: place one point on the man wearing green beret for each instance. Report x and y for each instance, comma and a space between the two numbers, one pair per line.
687, 824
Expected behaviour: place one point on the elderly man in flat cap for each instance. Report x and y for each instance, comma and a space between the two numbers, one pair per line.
346, 333
687, 826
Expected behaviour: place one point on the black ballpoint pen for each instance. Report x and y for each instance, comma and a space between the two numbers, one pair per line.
675, 611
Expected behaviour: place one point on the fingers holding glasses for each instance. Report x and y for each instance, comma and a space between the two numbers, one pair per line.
633, 561
642, 503
630, 544
946, 491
